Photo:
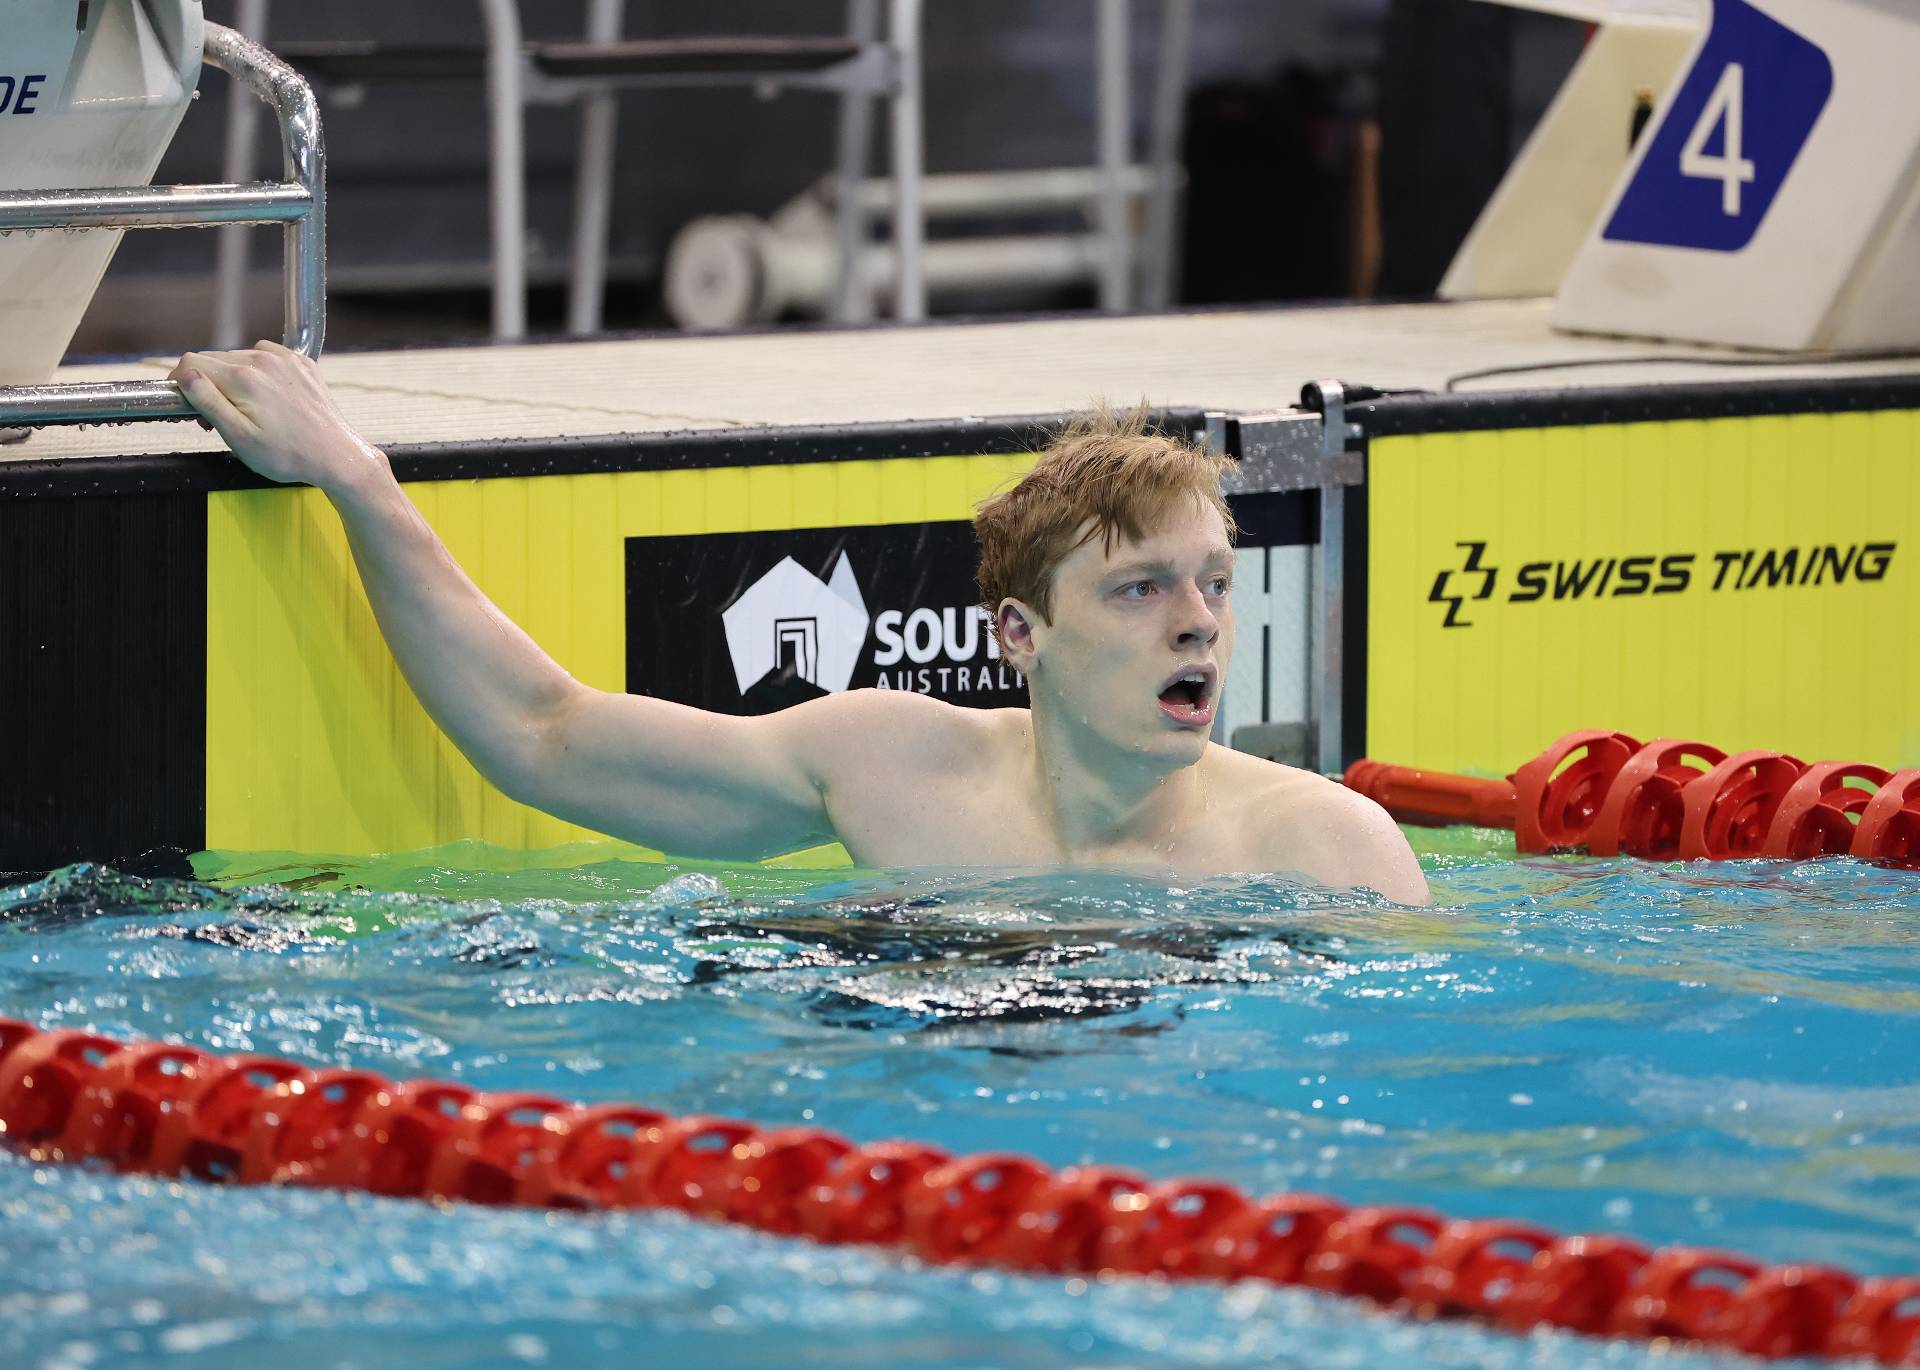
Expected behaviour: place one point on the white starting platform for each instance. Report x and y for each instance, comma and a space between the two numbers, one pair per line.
1769, 197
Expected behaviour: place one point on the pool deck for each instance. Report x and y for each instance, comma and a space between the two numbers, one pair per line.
1240, 360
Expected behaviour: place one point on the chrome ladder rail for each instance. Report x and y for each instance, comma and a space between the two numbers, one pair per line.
299, 203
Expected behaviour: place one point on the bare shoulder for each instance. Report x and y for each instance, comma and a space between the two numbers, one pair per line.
1321, 828
867, 729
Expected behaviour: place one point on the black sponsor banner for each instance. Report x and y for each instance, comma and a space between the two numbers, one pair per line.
748, 623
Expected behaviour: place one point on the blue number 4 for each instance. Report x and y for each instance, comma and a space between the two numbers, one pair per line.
1734, 129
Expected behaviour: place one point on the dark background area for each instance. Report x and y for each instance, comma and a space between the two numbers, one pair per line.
1283, 100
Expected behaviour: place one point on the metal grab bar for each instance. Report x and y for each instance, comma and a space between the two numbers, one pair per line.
299, 203
261, 202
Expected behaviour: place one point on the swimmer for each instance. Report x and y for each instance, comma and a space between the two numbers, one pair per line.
1107, 571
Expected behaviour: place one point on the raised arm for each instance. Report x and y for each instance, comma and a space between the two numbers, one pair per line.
681, 779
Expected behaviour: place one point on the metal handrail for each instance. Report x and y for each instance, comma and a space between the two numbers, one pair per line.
299, 203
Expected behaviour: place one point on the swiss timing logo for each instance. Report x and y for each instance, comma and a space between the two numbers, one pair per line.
1646, 575
1448, 592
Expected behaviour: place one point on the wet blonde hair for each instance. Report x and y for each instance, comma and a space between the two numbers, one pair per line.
1107, 474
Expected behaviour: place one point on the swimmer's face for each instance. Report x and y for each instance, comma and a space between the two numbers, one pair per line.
1140, 637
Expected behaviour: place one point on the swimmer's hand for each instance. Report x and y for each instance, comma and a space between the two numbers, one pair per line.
270, 405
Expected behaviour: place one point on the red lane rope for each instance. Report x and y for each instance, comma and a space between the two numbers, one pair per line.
164, 1109
1606, 794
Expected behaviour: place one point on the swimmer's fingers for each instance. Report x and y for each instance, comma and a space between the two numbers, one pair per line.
263, 384
269, 345
268, 412
272, 407
194, 375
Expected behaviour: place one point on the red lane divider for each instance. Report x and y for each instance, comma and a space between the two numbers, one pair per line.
1608, 794
1890, 824
1434, 797
1560, 791
176, 1110
1818, 815
1643, 811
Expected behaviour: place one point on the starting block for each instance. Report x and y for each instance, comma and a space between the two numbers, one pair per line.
1770, 200
86, 104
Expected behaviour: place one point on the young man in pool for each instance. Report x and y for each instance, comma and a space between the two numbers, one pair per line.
1107, 570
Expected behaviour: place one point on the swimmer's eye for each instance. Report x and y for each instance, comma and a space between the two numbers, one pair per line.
1136, 589
1219, 585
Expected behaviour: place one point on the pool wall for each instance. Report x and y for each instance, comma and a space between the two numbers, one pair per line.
1730, 563
187, 660
192, 662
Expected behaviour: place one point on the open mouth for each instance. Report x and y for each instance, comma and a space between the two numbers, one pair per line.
1188, 698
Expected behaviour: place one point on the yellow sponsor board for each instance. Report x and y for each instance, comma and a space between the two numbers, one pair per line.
314, 741
1749, 582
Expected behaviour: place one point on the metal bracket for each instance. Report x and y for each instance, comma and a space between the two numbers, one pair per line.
1278, 452
1330, 398
299, 203
1328, 680
1292, 450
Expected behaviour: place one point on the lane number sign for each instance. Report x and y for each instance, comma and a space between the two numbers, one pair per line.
1719, 156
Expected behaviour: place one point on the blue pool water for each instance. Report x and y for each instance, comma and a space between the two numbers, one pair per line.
1721, 1056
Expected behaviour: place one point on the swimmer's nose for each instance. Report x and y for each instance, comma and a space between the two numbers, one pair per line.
1194, 621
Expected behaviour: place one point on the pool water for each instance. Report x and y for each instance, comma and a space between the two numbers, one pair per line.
1722, 1056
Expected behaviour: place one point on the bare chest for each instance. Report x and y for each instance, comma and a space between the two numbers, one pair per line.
943, 820
949, 820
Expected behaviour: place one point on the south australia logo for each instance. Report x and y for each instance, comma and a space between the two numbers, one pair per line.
791, 621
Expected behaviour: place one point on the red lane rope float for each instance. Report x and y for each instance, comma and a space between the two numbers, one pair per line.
1728, 813
1643, 811
1560, 791
1890, 824
1817, 816
1608, 794
1433, 797
176, 1110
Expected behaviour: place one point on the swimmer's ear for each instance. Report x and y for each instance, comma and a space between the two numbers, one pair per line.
1015, 621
